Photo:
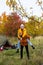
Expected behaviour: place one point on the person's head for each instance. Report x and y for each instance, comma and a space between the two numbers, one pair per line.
22, 26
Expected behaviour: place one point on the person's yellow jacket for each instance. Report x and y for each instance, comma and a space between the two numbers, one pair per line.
22, 33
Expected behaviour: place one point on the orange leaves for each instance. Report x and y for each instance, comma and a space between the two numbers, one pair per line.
4, 17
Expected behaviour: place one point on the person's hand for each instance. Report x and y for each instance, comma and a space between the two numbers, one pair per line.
20, 38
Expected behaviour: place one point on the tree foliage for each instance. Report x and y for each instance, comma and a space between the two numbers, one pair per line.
12, 24
34, 27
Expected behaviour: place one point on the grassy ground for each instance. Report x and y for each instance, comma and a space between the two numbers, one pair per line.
10, 57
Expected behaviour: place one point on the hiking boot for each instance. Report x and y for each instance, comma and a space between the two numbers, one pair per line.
17, 51
33, 47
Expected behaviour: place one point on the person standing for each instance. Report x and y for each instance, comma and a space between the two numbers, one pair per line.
23, 40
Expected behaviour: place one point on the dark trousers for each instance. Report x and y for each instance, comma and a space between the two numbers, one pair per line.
21, 51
